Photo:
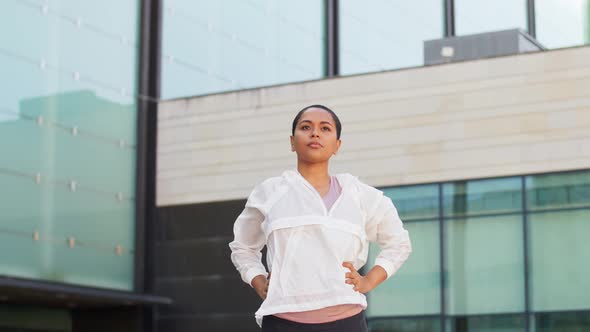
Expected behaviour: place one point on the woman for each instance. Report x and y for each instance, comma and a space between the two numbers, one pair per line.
317, 229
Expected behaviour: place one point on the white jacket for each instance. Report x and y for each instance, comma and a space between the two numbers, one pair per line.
307, 244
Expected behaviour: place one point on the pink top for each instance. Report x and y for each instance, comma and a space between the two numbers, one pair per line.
333, 193
332, 313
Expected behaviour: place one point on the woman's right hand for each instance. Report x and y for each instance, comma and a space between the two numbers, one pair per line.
260, 285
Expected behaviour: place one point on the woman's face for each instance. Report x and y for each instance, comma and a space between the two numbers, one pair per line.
315, 139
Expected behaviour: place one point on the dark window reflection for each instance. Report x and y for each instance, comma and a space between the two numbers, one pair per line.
489, 323
563, 321
419, 324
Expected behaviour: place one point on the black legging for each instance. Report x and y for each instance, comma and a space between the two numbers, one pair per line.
356, 323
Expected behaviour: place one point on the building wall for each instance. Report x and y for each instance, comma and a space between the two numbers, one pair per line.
194, 269
68, 127
495, 117
519, 114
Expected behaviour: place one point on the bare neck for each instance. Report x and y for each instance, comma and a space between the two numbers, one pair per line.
316, 174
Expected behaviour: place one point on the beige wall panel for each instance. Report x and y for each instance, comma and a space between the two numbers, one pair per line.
468, 72
435, 107
493, 117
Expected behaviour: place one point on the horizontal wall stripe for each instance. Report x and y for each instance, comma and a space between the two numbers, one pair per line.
181, 159
275, 119
410, 78
492, 117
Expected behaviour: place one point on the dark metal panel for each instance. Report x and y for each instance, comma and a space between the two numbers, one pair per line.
149, 92
531, 22
198, 221
441, 231
449, 18
194, 264
186, 258
216, 323
209, 295
479, 46
145, 209
17, 290
332, 46
525, 232
122, 319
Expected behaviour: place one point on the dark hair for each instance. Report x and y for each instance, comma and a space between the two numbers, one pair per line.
334, 116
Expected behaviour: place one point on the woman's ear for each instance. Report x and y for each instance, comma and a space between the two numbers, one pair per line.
338, 143
292, 139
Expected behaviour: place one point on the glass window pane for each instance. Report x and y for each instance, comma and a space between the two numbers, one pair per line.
559, 260
482, 196
562, 321
415, 202
215, 46
386, 34
68, 133
49, 150
97, 223
484, 258
415, 288
476, 16
495, 323
558, 190
414, 324
562, 23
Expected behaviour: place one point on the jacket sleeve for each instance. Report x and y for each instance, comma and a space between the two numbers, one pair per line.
386, 229
249, 239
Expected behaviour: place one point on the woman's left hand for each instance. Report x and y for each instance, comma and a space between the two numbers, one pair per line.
361, 284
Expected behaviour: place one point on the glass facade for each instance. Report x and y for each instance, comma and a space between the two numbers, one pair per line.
515, 253
387, 34
420, 293
559, 224
216, 46
562, 23
477, 16
482, 275
68, 118
228, 45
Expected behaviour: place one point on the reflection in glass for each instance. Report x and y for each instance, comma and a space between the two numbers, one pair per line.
92, 155
485, 265
477, 16
487, 323
482, 196
562, 23
577, 321
216, 46
68, 127
386, 34
484, 256
415, 288
558, 190
559, 260
414, 324
415, 202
